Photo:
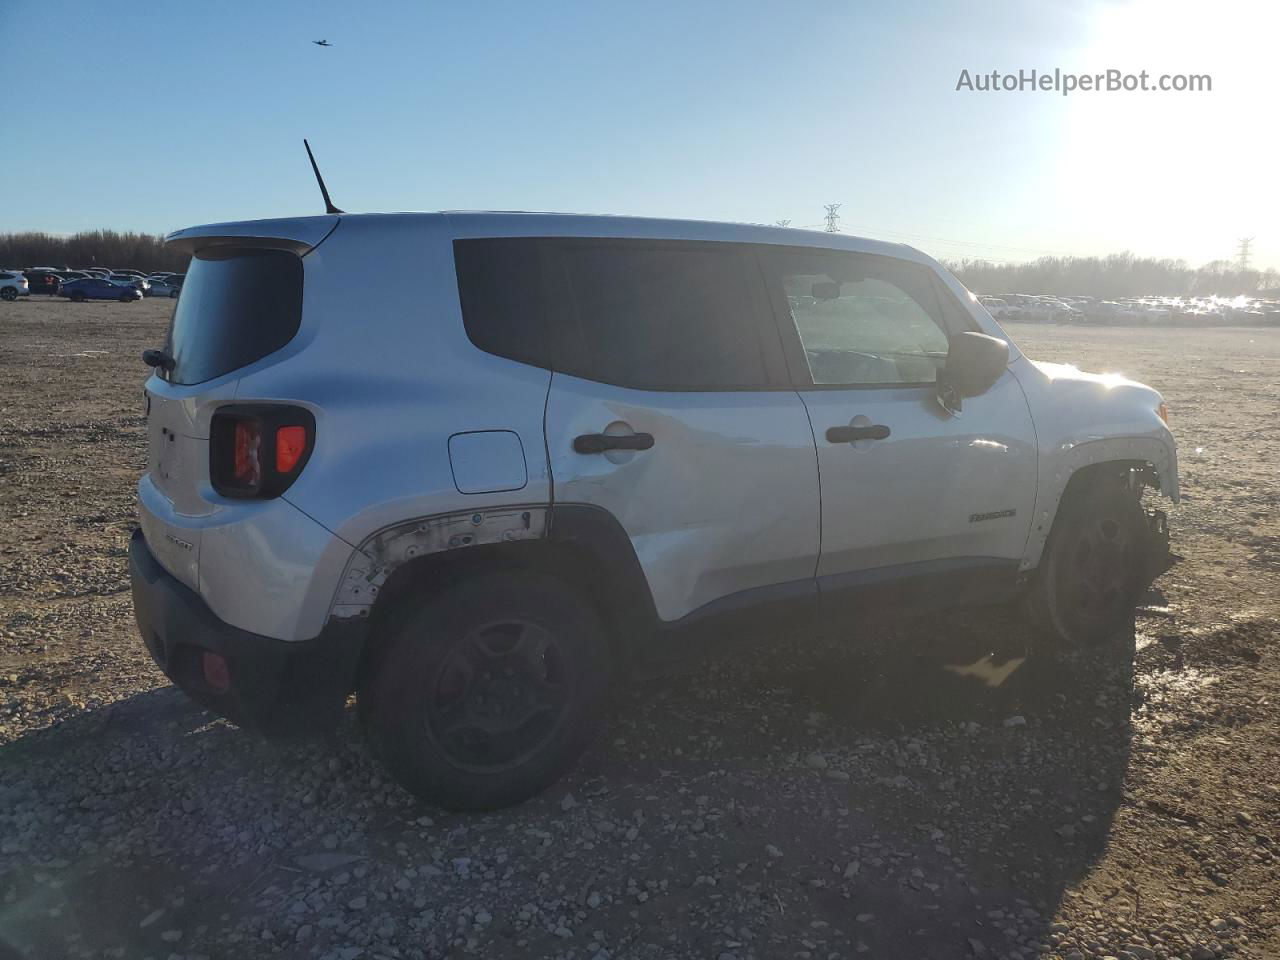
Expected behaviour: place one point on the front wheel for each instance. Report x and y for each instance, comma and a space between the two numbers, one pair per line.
1095, 565
9, 293
485, 694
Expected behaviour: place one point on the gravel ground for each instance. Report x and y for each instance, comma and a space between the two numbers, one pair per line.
803, 798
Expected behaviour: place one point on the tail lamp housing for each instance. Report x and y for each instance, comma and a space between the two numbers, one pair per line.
257, 451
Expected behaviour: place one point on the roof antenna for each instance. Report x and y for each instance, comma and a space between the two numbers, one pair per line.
328, 204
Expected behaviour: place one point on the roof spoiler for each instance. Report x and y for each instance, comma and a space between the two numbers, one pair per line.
297, 234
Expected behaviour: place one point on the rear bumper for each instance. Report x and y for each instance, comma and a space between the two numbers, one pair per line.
275, 686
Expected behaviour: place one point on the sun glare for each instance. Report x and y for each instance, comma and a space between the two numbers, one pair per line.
1179, 173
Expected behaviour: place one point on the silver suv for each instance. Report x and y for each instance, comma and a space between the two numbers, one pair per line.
13, 284
472, 492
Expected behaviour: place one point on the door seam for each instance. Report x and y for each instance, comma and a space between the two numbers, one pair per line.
817, 466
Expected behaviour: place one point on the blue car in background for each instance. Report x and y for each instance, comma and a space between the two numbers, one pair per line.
95, 289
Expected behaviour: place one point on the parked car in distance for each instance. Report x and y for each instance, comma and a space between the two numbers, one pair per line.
165, 288
1037, 309
13, 285
97, 289
1154, 311
43, 281
131, 278
617, 443
995, 306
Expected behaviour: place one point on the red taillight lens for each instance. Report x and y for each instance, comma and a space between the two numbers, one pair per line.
246, 468
257, 450
291, 444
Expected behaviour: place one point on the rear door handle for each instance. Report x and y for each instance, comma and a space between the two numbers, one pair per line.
877, 431
600, 442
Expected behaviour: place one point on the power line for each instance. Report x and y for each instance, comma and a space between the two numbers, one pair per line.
833, 217
1243, 252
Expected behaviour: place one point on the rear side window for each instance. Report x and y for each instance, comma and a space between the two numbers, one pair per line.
635, 313
237, 306
662, 317
507, 291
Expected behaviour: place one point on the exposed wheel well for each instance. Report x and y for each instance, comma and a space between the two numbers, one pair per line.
1136, 473
430, 574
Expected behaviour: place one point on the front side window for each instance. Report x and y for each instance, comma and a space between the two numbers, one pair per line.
862, 320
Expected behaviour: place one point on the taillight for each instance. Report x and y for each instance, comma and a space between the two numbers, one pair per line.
291, 445
246, 469
256, 452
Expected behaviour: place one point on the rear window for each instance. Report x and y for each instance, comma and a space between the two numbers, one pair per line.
237, 305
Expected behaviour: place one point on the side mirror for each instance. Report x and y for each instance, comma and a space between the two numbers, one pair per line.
975, 362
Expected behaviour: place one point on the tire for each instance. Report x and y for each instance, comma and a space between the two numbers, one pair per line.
487, 693
1094, 569
173, 294
9, 293
78, 296
125, 298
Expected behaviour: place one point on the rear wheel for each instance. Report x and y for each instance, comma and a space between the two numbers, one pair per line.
126, 298
8, 293
1095, 568
78, 296
487, 693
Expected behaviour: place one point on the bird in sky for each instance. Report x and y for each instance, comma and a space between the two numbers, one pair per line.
322, 43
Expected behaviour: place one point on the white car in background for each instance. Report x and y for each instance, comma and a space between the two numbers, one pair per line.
132, 278
1040, 310
164, 288
1156, 312
995, 306
13, 285
1132, 311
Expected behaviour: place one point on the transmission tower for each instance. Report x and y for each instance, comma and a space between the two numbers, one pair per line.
782, 223
833, 217
1243, 252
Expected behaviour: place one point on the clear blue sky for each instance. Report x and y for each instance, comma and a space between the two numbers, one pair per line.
154, 115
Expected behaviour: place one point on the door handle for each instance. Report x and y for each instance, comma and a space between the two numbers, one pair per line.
877, 431
600, 442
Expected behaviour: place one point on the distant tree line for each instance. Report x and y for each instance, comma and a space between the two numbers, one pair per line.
1116, 276
94, 248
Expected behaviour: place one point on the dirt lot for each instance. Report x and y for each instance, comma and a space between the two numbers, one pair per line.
801, 799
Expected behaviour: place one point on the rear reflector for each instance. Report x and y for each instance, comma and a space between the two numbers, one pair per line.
216, 674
